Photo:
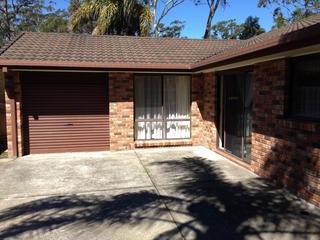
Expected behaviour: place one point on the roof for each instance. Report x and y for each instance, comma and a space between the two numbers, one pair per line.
296, 35
107, 51
129, 52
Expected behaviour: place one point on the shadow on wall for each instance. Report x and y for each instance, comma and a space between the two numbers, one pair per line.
285, 150
295, 165
207, 206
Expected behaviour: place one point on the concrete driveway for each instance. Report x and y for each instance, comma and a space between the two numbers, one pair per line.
176, 193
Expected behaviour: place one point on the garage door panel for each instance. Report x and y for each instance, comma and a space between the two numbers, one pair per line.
67, 149
65, 112
64, 122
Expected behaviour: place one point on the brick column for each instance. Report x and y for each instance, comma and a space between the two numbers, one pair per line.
209, 110
13, 113
121, 111
17, 89
196, 109
204, 110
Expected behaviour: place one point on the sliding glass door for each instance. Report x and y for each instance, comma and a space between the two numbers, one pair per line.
236, 110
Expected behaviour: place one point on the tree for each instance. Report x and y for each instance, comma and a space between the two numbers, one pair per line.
74, 5
213, 7
228, 29
279, 19
30, 15
86, 25
173, 30
160, 11
55, 22
21, 15
250, 28
296, 10
231, 30
122, 17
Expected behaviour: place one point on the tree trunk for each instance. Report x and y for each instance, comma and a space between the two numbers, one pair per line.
96, 31
209, 22
155, 25
7, 28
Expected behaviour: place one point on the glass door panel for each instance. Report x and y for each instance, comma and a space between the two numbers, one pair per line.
236, 114
233, 106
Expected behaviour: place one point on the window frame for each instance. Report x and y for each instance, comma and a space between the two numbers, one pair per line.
164, 119
291, 112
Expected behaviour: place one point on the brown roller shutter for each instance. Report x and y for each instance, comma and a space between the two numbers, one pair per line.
65, 112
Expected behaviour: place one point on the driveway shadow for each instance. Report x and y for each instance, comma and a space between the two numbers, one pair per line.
213, 206
207, 206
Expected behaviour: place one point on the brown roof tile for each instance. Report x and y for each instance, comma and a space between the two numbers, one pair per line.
302, 31
103, 50
75, 50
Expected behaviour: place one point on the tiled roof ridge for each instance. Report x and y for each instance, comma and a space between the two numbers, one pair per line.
6, 46
220, 52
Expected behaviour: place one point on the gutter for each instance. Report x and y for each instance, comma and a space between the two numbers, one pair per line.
95, 66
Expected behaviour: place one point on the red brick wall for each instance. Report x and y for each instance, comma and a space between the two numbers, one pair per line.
204, 110
284, 150
8, 125
197, 109
121, 111
16, 95
209, 110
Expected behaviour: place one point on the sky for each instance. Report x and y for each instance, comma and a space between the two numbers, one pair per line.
195, 17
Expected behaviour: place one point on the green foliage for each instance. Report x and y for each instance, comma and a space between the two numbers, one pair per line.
173, 30
55, 22
85, 25
74, 5
121, 17
29, 15
250, 28
279, 19
20, 15
296, 10
229, 29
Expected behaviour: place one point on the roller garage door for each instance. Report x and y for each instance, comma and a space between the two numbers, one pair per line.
64, 112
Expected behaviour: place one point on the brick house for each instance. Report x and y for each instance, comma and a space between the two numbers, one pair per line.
256, 101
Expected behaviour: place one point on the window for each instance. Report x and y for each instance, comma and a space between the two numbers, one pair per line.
162, 107
305, 95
